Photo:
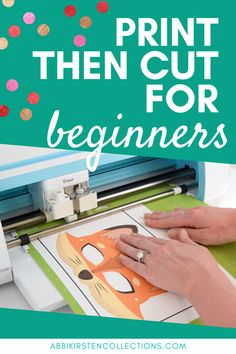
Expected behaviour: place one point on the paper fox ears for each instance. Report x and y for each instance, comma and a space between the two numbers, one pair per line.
114, 233
133, 228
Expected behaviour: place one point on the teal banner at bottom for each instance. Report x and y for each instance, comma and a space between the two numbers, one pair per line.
30, 324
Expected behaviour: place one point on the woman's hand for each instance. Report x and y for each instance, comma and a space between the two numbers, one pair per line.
183, 267
172, 265
205, 225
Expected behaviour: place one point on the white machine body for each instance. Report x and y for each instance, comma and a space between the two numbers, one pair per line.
217, 180
64, 197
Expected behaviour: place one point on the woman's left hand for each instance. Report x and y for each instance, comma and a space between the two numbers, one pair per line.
184, 267
174, 265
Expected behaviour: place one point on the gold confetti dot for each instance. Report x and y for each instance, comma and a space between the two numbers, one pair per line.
26, 114
3, 43
86, 22
8, 3
43, 30
136, 281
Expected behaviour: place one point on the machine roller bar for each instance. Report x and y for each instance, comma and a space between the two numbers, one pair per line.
173, 191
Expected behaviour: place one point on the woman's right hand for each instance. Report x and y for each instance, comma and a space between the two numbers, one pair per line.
205, 225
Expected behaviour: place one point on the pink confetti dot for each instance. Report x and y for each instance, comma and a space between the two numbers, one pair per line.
79, 40
12, 85
29, 18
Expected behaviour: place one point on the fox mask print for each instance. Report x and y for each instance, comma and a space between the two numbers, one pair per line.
95, 261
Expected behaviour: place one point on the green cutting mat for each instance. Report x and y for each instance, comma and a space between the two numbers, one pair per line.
56, 281
224, 255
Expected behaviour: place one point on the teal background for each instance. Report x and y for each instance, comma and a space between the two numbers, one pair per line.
98, 102
29, 324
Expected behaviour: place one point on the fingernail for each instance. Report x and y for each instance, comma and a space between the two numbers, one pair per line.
147, 215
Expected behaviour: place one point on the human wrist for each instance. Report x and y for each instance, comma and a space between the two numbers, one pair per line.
214, 300
206, 284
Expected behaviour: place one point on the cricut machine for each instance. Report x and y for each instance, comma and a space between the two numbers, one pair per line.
53, 188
